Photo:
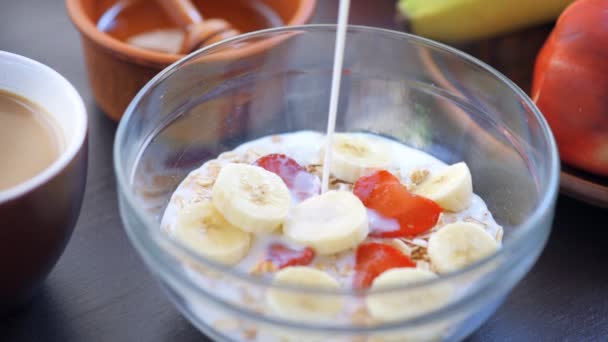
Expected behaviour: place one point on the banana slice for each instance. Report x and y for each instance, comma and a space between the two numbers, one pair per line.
302, 306
399, 305
451, 187
352, 155
251, 198
202, 228
329, 223
459, 244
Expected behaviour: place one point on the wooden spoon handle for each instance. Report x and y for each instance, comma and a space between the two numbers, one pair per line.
182, 12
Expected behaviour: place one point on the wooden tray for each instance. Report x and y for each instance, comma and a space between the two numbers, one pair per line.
585, 187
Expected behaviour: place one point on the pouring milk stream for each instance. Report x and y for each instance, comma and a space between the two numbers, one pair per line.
335, 89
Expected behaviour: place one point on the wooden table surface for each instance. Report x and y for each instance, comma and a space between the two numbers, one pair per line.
101, 291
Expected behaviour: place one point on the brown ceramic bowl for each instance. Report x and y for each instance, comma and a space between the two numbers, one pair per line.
117, 70
37, 216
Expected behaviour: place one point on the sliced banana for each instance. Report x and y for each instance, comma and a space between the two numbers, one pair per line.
451, 187
329, 223
251, 198
459, 244
202, 228
303, 306
399, 305
352, 155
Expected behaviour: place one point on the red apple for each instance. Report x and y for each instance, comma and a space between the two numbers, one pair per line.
570, 84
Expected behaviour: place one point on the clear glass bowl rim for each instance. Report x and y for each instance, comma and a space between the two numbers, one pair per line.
526, 228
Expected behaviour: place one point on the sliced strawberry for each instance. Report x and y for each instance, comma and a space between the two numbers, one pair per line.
402, 213
283, 256
282, 165
302, 183
373, 258
365, 185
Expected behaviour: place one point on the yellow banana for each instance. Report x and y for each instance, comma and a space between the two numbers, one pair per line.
457, 21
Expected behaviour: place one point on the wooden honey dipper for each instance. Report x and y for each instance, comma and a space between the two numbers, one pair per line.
199, 32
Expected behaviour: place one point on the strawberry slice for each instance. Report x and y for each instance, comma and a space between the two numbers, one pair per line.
282, 165
301, 183
283, 256
396, 211
373, 258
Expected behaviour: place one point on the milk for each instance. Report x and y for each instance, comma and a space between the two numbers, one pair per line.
335, 88
305, 148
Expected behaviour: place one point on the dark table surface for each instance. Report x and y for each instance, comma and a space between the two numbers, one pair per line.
101, 291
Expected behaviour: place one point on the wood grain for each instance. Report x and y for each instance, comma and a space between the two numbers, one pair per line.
512, 54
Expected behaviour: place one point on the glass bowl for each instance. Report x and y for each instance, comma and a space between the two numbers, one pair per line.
418, 92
